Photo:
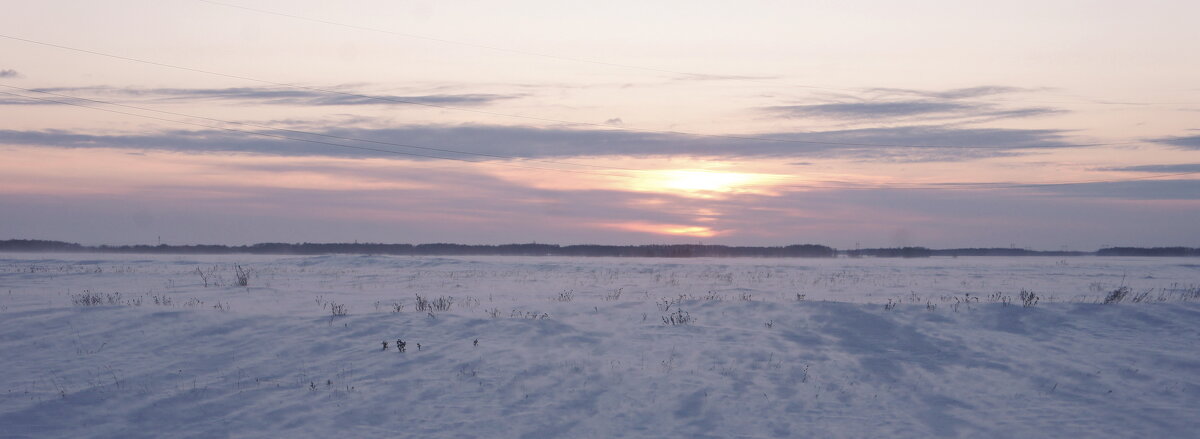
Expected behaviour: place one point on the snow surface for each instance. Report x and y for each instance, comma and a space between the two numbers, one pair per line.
578, 347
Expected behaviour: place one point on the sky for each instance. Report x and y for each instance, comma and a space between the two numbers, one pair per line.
1044, 125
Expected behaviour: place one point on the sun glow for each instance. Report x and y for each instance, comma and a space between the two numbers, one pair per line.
667, 229
700, 183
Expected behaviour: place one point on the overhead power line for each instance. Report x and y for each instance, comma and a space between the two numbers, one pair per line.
551, 120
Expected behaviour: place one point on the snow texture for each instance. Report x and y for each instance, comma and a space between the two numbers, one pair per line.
137, 346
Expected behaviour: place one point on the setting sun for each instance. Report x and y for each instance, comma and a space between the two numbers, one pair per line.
702, 183
666, 229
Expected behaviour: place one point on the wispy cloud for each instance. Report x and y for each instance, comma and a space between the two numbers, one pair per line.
913, 143
247, 198
870, 110
1129, 190
1186, 142
15, 101
1166, 169
908, 111
956, 93
279, 96
9, 73
912, 105
711, 77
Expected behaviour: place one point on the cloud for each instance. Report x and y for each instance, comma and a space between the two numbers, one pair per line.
870, 110
281, 96
1129, 190
9, 73
912, 110
13, 100
709, 77
1186, 142
1166, 169
912, 105
909, 144
957, 93
453, 204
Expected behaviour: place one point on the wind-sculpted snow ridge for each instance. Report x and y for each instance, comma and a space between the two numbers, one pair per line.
137, 346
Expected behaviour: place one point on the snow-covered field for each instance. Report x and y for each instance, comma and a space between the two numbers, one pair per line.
102, 345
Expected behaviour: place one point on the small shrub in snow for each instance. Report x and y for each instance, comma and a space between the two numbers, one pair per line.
243, 275
470, 303
1117, 295
528, 315
613, 296
1190, 293
205, 277
88, 298
1140, 297
1029, 298
565, 296
439, 304
890, 305
665, 304
338, 309
999, 297
965, 300
677, 318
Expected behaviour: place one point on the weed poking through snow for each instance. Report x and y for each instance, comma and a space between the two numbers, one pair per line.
440, 304
243, 275
1029, 298
1117, 295
677, 318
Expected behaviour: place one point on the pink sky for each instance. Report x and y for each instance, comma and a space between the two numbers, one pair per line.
762, 123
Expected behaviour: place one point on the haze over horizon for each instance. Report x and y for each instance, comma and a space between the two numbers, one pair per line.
931, 123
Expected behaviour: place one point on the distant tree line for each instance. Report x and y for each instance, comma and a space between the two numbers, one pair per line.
643, 251
1153, 251
922, 252
439, 249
